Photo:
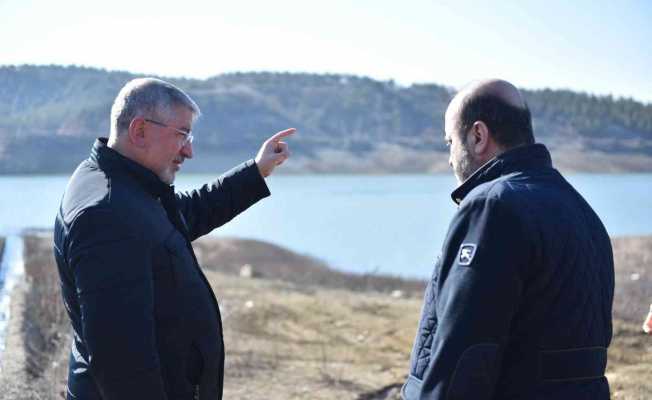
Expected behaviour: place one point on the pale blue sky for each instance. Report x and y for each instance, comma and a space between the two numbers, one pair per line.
600, 47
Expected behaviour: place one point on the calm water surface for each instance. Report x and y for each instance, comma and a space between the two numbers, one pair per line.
390, 224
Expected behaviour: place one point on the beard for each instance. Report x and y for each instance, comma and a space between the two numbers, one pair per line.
466, 165
167, 176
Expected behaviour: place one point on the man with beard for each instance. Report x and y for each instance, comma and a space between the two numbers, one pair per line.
146, 324
519, 303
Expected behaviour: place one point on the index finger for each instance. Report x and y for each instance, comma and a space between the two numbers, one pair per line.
280, 135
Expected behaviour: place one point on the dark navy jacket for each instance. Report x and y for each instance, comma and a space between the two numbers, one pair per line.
146, 323
519, 304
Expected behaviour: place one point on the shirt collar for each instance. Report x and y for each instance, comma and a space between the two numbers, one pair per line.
520, 158
113, 162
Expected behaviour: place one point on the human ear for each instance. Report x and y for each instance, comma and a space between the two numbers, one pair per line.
480, 137
136, 132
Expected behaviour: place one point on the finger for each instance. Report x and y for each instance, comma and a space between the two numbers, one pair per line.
280, 160
280, 147
281, 156
279, 135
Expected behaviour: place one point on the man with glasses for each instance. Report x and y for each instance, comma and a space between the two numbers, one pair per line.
145, 321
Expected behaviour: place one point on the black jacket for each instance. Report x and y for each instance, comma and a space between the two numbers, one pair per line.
519, 304
146, 323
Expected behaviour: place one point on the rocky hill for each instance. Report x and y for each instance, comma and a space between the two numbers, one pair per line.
49, 116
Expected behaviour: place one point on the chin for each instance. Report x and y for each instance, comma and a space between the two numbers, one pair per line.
167, 177
460, 176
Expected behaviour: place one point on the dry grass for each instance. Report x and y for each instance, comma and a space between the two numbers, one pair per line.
43, 331
633, 258
630, 362
301, 337
630, 354
45, 324
287, 342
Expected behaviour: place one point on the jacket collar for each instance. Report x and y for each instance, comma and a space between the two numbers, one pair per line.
113, 162
520, 158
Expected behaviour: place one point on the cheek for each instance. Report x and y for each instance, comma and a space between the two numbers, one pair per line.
169, 154
164, 161
454, 153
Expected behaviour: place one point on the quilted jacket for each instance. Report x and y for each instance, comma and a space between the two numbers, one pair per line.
519, 303
145, 321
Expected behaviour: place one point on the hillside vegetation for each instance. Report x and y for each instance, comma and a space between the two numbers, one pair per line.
49, 116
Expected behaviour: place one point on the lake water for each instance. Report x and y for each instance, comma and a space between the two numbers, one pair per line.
388, 224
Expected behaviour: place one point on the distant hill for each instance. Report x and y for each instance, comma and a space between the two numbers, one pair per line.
49, 116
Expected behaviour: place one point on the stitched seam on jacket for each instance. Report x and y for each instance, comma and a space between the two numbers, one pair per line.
573, 349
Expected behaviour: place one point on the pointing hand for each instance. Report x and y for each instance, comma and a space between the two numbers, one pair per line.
273, 152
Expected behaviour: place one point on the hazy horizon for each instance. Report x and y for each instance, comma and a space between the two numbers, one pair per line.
444, 84
584, 46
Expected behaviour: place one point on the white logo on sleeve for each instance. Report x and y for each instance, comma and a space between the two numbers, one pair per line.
467, 251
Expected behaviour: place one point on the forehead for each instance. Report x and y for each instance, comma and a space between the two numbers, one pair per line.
451, 118
182, 116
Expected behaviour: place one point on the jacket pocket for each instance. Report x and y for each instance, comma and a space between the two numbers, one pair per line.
165, 285
162, 270
183, 263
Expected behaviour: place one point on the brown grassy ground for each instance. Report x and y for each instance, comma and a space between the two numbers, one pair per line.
285, 341
633, 258
630, 355
274, 262
293, 339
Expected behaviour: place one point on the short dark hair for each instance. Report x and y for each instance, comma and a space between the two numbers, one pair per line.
510, 126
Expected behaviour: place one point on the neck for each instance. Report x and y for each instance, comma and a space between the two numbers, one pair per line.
116, 143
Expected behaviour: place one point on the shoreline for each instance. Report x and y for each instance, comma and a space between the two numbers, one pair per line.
211, 249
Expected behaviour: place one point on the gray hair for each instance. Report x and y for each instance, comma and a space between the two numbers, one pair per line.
147, 97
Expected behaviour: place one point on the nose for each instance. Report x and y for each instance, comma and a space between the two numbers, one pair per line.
186, 150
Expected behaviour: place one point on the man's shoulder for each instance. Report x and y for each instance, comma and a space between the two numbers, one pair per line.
87, 188
505, 189
514, 196
517, 187
92, 190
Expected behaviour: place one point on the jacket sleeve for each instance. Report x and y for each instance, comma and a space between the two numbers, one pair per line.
478, 291
112, 273
215, 204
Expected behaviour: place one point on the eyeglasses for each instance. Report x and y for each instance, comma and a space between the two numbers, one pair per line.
188, 137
